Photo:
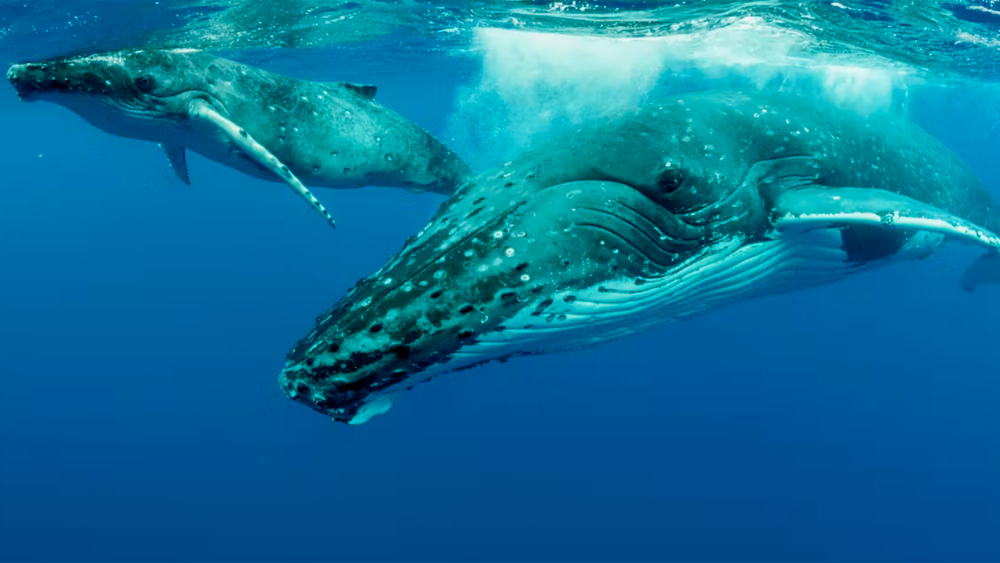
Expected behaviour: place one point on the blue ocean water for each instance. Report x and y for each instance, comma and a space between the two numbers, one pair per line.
143, 324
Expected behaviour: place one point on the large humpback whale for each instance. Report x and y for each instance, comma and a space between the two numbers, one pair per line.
263, 124
657, 215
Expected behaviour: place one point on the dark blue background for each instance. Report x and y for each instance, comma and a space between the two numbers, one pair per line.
143, 324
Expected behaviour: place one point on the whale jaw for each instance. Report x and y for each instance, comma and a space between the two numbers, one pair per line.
727, 272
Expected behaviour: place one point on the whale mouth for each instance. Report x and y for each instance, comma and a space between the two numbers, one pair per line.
34, 80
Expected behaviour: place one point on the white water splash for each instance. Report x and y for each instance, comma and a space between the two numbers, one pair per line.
533, 84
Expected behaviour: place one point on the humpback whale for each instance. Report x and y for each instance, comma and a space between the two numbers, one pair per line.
263, 124
649, 217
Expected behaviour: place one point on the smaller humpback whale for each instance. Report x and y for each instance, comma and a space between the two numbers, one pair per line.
658, 215
263, 124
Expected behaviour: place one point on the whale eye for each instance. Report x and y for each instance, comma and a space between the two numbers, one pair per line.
145, 83
671, 179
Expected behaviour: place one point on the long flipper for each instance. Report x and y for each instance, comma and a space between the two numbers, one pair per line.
808, 208
203, 110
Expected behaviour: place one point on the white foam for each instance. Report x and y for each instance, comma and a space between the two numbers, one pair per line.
533, 83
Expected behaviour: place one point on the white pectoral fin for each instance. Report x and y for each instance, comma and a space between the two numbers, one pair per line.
832, 207
178, 161
201, 109
808, 208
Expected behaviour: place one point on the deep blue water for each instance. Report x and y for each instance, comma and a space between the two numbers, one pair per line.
143, 324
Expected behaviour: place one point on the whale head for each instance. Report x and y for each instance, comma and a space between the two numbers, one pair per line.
547, 253
140, 94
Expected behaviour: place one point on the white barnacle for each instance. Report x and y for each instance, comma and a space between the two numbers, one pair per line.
440, 274
388, 281
525, 278
498, 234
509, 253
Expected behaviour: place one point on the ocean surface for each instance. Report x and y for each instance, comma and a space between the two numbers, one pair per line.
143, 323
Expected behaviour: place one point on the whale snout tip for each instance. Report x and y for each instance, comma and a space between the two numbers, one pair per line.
348, 403
20, 77
14, 74
300, 385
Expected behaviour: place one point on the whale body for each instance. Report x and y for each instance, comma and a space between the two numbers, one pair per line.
267, 125
650, 217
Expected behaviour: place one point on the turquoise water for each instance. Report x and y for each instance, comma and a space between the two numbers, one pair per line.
143, 323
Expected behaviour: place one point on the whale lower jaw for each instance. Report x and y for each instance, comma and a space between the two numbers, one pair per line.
727, 272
